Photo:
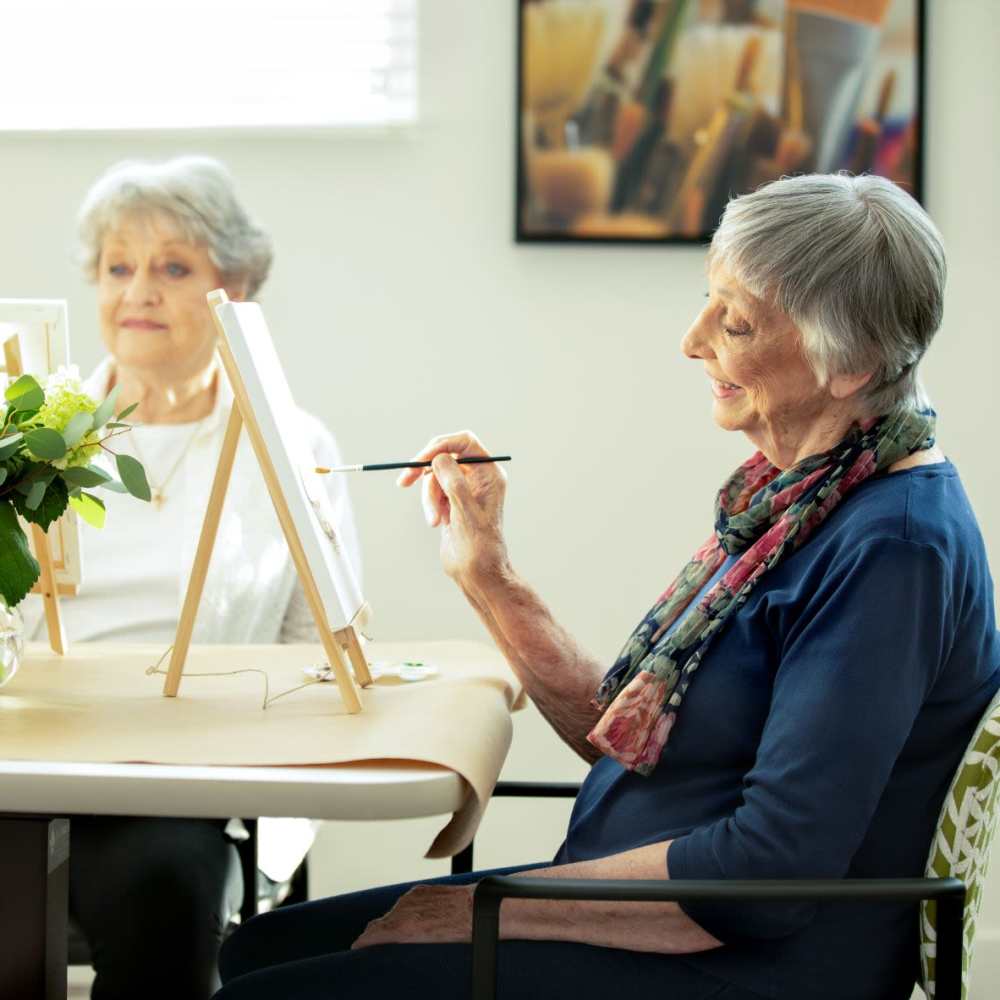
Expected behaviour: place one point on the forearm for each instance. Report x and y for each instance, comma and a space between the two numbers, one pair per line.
654, 927
559, 677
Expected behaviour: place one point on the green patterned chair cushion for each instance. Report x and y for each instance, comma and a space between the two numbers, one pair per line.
961, 847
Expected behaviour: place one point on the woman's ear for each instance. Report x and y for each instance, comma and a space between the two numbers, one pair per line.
845, 386
237, 290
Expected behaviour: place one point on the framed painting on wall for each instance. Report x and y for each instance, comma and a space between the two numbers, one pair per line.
637, 120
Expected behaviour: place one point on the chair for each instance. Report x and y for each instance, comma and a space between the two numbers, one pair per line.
950, 895
268, 895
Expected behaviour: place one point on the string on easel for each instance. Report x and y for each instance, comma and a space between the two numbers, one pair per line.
268, 699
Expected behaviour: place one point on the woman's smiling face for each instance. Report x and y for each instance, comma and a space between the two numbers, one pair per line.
760, 379
151, 285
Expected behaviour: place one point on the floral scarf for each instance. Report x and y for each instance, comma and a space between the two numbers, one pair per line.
644, 689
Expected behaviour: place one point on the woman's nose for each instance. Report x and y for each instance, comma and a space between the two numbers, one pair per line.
142, 289
694, 343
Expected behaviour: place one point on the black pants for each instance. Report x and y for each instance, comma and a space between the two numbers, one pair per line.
152, 897
303, 953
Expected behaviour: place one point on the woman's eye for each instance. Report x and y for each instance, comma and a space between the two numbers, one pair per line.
118, 270
738, 331
176, 270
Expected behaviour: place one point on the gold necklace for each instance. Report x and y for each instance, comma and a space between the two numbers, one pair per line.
156, 494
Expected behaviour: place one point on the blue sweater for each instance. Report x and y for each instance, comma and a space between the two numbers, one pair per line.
818, 739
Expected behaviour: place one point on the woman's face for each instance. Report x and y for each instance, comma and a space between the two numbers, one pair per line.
759, 377
151, 287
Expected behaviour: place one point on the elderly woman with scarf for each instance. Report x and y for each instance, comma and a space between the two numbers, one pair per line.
153, 896
795, 702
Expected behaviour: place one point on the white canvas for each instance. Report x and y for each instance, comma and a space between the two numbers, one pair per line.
263, 377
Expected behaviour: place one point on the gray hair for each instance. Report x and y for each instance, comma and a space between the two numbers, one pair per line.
194, 192
855, 263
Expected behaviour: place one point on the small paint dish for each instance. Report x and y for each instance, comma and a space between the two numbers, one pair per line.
405, 670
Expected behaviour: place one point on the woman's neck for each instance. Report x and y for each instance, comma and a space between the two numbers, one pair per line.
163, 401
786, 443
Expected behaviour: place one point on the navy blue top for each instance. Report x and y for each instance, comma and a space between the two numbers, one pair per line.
818, 739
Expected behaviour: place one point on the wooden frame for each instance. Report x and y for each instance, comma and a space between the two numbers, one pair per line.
631, 224
325, 597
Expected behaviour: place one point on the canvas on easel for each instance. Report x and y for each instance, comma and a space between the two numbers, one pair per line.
34, 334
264, 404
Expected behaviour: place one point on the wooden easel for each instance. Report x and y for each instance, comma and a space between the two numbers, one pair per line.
46, 585
340, 645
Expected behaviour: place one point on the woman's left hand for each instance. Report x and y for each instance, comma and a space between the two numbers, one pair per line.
427, 914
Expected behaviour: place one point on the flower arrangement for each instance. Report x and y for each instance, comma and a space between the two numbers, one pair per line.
52, 440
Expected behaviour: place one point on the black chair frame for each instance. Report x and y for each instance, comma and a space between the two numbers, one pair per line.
948, 893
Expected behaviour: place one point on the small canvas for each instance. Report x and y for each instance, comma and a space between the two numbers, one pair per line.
35, 338
262, 378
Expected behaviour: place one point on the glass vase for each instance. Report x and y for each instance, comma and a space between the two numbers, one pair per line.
11, 641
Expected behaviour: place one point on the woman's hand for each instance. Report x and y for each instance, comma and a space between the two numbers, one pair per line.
427, 914
466, 501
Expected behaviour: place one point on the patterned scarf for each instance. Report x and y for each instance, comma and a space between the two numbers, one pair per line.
644, 689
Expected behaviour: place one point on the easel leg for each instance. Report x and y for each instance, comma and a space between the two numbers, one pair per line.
348, 638
50, 594
335, 657
199, 571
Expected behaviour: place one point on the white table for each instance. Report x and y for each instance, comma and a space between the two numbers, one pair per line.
38, 799
100, 702
341, 791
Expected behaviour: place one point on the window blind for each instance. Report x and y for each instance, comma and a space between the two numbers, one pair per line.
139, 64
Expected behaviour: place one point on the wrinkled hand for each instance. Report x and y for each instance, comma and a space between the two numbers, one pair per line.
427, 914
466, 501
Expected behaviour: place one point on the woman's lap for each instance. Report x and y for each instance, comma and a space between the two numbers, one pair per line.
303, 952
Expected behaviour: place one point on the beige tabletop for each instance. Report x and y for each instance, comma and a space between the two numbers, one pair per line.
100, 706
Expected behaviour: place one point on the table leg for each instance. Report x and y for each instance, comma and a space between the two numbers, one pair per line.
34, 899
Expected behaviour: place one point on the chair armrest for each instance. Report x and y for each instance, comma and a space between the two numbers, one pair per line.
536, 789
491, 891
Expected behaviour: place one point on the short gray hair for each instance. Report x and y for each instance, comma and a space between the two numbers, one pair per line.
194, 192
855, 263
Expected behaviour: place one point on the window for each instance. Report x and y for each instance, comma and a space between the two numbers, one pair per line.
138, 64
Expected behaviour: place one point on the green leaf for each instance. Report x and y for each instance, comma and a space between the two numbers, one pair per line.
10, 444
114, 486
88, 476
77, 428
35, 494
18, 568
25, 394
45, 443
52, 497
3, 475
128, 409
114, 425
133, 477
89, 508
104, 412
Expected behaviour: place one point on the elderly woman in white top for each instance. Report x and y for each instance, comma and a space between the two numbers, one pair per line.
152, 895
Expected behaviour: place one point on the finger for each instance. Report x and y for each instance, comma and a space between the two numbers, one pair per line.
450, 479
460, 443
435, 503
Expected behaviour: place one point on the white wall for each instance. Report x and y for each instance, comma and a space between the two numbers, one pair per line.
404, 309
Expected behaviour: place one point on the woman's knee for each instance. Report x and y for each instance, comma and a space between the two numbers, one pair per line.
250, 947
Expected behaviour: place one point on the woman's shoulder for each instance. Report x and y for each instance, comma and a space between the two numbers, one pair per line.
924, 505
320, 438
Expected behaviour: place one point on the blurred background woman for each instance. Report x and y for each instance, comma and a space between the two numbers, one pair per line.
153, 896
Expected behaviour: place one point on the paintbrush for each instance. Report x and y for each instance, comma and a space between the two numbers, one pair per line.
385, 466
